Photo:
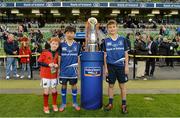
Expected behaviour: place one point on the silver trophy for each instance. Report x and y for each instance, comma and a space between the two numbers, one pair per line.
92, 45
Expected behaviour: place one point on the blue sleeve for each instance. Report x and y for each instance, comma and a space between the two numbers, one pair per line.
59, 49
125, 45
79, 49
43, 64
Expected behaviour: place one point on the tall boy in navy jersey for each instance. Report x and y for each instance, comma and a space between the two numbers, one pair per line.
69, 58
116, 63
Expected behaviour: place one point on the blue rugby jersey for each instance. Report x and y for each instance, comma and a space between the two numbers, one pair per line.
115, 50
69, 60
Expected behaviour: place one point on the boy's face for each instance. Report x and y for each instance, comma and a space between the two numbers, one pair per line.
69, 35
54, 45
112, 29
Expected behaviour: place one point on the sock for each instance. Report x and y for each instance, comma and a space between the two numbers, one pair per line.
54, 98
123, 102
46, 100
63, 93
110, 100
74, 95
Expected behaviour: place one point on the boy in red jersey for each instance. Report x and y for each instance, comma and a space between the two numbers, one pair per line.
48, 62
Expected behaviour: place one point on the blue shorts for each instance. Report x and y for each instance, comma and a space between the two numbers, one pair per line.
64, 81
116, 72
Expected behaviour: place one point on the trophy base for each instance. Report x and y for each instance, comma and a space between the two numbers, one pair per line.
92, 48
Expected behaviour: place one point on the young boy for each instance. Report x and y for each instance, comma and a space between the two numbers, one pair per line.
48, 61
116, 63
69, 51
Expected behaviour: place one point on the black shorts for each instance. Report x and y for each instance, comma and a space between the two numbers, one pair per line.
64, 81
116, 72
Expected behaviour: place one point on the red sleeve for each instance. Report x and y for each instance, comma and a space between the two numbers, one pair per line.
42, 57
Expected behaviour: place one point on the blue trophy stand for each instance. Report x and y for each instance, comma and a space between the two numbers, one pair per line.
91, 80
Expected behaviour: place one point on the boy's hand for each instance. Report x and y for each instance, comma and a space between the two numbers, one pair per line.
51, 65
106, 72
126, 70
56, 65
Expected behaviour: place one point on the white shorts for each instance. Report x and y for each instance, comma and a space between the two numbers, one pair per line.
47, 83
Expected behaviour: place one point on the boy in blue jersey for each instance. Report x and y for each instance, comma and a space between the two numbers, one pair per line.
69, 51
116, 63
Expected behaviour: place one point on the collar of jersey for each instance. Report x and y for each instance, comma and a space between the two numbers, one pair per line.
67, 43
108, 36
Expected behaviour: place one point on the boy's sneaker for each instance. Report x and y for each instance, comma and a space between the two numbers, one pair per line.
124, 109
22, 77
7, 77
55, 108
108, 107
62, 107
46, 110
16, 75
29, 76
76, 106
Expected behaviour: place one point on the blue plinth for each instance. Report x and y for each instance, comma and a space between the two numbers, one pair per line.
91, 80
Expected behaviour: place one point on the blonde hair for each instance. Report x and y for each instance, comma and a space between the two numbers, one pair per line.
111, 22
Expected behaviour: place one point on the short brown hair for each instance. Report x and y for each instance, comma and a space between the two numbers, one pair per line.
70, 29
56, 39
110, 22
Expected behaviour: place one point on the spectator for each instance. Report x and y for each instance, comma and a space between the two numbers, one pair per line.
150, 62
163, 48
141, 49
170, 52
47, 44
25, 61
178, 31
11, 48
36, 50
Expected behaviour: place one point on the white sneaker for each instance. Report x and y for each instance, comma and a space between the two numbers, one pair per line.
17, 76
22, 77
7, 77
29, 76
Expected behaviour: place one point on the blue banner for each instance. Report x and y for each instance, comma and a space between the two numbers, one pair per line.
168, 5
84, 4
38, 4
91, 4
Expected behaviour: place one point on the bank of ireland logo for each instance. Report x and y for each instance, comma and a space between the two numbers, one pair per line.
92, 71
142, 5
3, 5
120, 43
49, 4
64, 49
109, 44
96, 4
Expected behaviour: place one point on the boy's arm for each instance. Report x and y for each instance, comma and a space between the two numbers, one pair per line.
105, 55
79, 67
126, 63
105, 64
41, 61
